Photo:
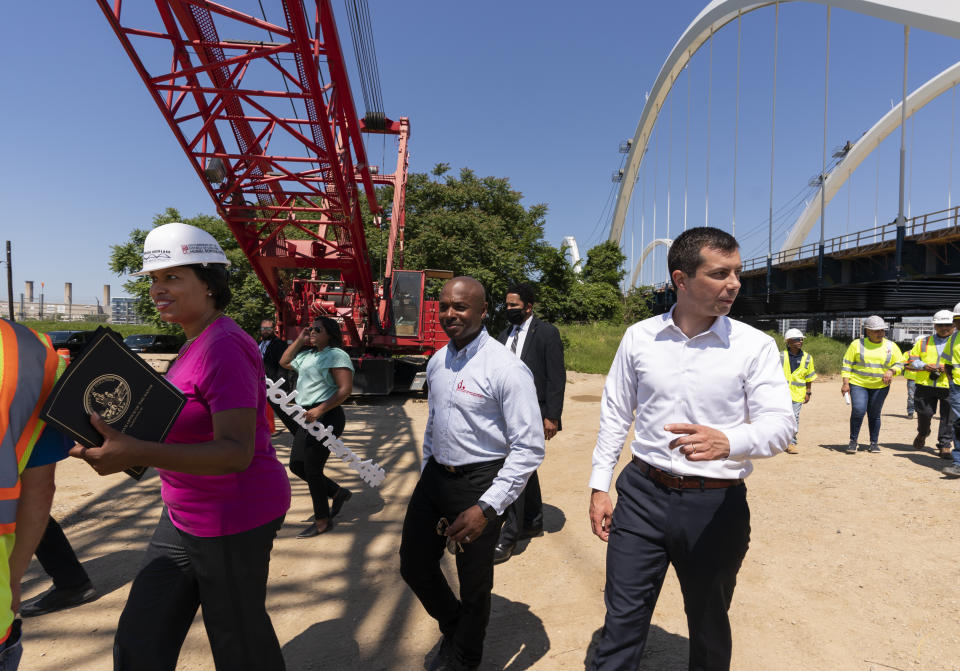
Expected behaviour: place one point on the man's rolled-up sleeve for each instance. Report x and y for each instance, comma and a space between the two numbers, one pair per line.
521, 413
617, 409
771, 420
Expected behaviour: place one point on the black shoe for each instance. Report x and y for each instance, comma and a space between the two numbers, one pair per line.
534, 531
449, 663
443, 656
502, 553
312, 530
57, 599
312, 518
342, 496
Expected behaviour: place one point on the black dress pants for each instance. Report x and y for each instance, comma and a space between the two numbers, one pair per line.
925, 403
58, 559
526, 513
308, 456
704, 534
226, 576
440, 493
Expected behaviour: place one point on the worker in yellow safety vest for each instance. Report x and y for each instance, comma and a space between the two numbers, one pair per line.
911, 378
926, 364
28, 454
800, 373
951, 357
869, 365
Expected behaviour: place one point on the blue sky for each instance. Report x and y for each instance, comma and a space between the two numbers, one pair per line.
542, 93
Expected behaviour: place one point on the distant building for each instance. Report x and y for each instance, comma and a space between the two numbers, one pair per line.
906, 330
116, 310
122, 311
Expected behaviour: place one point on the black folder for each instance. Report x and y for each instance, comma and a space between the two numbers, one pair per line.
109, 379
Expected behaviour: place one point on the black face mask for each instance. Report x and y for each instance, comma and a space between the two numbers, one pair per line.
515, 316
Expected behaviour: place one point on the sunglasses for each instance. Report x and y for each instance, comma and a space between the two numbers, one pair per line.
453, 547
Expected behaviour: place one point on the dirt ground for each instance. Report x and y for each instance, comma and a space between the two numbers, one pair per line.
854, 561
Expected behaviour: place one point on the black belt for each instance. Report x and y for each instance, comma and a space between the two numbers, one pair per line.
468, 468
674, 481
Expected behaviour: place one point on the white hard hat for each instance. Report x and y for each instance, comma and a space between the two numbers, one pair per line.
793, 334
874, 323
956, 310
943, 317
177, 244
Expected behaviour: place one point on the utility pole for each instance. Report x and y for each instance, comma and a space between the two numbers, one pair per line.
9, 283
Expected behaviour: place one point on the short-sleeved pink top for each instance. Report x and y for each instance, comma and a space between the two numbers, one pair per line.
222, 370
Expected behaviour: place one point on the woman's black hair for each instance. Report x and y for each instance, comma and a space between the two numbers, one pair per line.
332, 327
217, 279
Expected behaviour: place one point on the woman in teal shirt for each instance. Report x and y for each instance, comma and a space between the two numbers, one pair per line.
324, 383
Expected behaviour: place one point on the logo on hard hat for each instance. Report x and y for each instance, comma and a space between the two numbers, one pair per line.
200, 248
156, 255
108, 396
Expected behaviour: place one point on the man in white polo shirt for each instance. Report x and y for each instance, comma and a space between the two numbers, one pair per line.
707, 394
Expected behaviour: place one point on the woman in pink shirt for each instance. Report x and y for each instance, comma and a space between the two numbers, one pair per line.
225, 493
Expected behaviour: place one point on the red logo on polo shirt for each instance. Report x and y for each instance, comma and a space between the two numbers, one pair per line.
461, 387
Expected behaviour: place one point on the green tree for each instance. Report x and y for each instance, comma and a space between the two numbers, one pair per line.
594, 302
473, 226
636, 304
605, 264
250, 302
555, 282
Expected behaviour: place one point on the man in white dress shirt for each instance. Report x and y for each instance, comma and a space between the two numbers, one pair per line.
707, 394
484, 438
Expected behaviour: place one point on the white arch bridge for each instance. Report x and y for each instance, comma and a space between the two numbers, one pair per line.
936, 16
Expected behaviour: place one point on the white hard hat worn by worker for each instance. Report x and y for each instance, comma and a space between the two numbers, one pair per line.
178, 244
793, 334
956, 310
943, 317
874, 323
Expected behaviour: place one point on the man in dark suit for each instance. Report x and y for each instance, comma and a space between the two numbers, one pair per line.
538, 345
271, 349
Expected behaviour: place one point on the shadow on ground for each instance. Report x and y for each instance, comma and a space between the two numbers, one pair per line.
553, 519
664, 651
923, 458
362, 578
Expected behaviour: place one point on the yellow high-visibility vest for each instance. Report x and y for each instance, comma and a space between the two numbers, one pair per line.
865, 362
798, 379
951, 357
926, 351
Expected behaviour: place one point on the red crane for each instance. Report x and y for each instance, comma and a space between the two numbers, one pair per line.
264, 112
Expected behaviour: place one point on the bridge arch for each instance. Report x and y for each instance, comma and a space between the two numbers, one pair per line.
936, 16
863, 147
665, 242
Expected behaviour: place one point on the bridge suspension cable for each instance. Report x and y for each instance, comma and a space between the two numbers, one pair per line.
706, 197
901, 222
656, 173
686, 163
773, 144
669, 159
953, 120
823, 172
736, 127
